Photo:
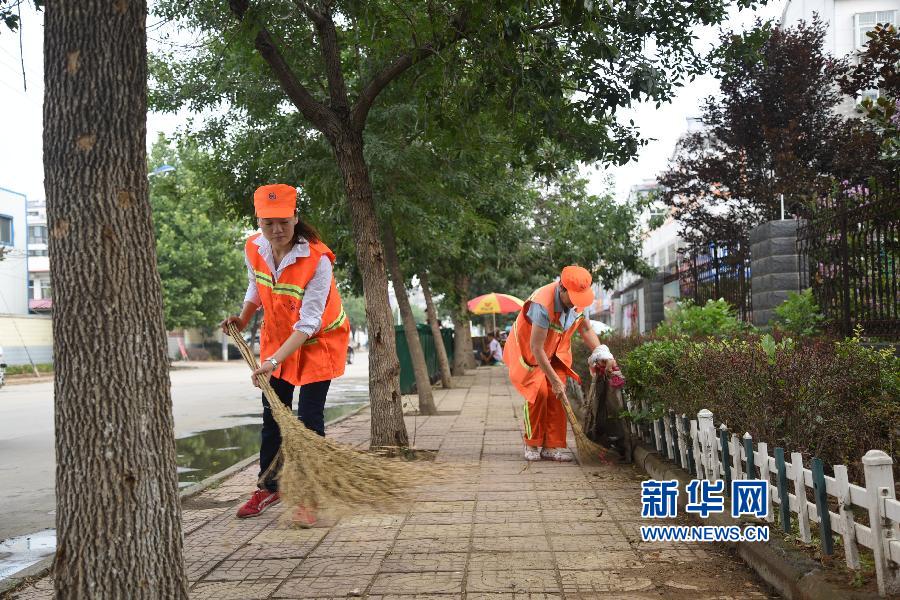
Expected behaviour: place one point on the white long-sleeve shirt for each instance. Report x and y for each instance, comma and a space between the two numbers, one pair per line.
315, 294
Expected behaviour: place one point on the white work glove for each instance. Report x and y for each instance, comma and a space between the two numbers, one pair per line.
600, 353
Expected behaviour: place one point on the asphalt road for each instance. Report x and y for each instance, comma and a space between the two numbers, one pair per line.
205, 396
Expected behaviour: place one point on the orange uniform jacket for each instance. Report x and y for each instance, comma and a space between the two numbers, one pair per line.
324, 355
545, 420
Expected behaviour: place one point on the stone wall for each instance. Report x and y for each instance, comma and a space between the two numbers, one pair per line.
775, 267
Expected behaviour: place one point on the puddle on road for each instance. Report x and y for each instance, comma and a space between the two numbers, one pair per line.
209, 452
21, 552
199, 456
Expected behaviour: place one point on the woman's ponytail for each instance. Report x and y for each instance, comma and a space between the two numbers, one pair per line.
304, 230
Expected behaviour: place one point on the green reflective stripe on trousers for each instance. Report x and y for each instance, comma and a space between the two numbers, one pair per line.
527, 420
525, 364
337, 322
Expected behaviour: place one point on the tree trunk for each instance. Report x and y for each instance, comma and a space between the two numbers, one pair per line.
118, 514
443, 361
388, 428
420, 368
463, 353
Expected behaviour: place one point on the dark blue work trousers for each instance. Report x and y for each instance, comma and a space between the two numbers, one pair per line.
310, 410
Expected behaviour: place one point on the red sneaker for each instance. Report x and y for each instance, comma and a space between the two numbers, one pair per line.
304, 517
258, 502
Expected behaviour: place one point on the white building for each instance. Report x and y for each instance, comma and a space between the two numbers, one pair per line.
39, 299
14, 264
623, 308
847, 22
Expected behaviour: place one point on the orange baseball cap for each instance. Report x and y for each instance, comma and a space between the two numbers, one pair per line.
577, 281
275, 201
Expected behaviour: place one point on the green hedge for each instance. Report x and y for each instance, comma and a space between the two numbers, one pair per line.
832, 399
27, 370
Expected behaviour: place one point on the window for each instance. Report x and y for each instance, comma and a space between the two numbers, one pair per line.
865, 22
37, 234
6, 230
38, 252
867, 94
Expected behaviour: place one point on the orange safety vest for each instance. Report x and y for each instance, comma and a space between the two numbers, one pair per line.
324, 355
524, 372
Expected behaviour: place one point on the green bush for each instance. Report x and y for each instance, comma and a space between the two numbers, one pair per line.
833, 400
799, 315
716, 318
27, 370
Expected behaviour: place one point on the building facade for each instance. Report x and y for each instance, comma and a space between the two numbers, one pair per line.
847, 23
14, 244
39, 297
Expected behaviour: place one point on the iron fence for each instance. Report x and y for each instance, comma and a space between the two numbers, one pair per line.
849, 248
718, 271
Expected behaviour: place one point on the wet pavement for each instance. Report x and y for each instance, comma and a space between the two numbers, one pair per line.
501, 529
209, 452
217, 420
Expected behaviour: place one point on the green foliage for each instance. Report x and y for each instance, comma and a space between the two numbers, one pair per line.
28, 370
833, 400
715, 318
799, 315
355, 307
199, 253
9, 18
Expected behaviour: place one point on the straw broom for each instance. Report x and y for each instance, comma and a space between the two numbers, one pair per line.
319, 472
589, 451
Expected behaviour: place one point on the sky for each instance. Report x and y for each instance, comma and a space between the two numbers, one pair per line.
21, 167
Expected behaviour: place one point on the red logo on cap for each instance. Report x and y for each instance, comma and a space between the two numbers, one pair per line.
272, 195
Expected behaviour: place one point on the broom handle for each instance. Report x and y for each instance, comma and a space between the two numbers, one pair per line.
245, 351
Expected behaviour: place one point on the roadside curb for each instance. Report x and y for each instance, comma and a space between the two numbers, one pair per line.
44, 566
23, 379
789, 572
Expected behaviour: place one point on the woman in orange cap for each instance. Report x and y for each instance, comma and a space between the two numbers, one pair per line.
305, 331
539, 356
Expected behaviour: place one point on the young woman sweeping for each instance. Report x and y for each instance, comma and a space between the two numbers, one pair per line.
305, 331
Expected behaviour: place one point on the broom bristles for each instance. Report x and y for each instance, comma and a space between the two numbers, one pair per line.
589, 451
319, 472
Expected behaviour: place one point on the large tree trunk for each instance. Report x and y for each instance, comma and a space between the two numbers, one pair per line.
410, 330
388, 428
443, 361
463, 353
118, 514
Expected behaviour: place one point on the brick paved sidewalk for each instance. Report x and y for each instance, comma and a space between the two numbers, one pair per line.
504, 531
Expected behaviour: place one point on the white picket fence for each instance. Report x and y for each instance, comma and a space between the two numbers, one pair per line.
697, 446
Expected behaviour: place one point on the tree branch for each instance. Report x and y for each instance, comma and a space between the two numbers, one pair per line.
331, 53
398, 67
317, 113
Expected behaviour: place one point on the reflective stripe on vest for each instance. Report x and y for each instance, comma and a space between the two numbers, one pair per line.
337, 322
288, 289
263, 278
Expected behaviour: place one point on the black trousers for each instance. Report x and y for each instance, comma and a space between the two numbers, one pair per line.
310, 410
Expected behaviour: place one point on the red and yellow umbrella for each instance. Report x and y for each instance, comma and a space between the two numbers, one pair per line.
494, 303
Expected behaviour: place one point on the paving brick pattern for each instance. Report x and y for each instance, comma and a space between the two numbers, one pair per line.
503, 529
